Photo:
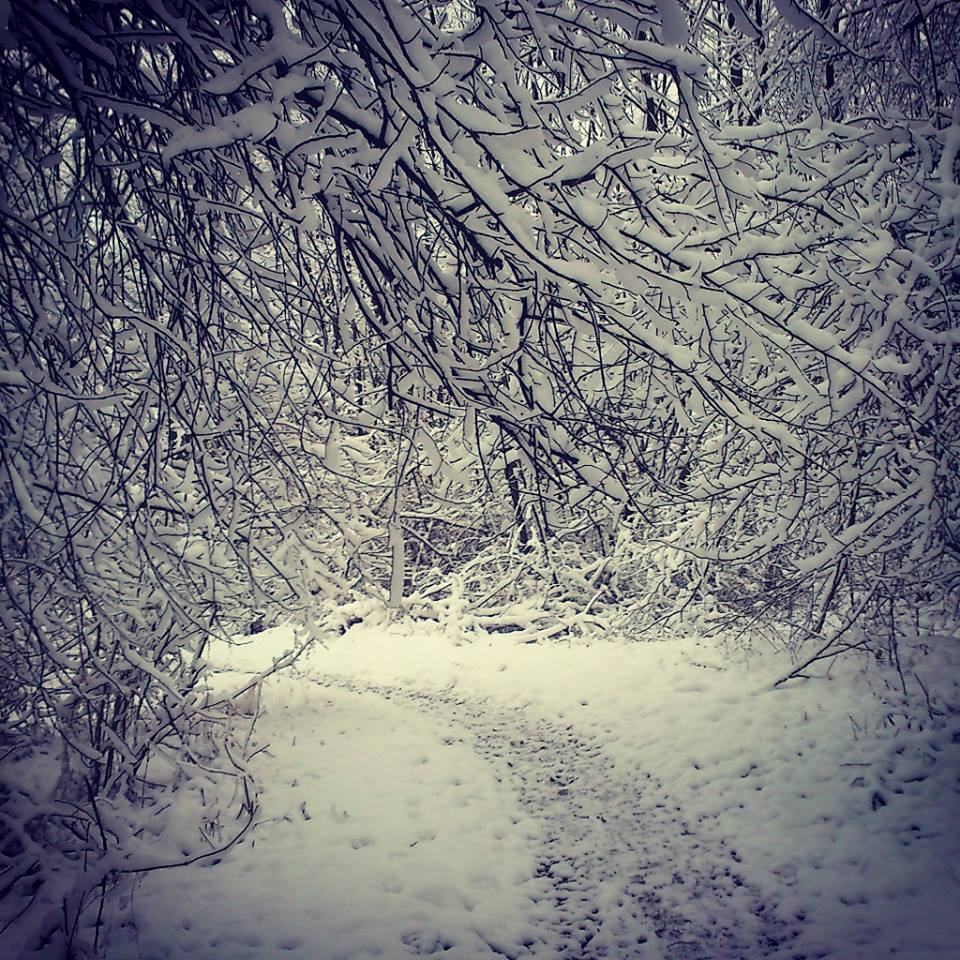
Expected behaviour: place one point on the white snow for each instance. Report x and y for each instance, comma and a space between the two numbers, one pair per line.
425, 794
381, 833
674, 29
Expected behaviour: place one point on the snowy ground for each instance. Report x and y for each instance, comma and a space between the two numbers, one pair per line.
425, 795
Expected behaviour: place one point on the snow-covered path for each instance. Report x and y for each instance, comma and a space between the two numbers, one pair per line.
422, 795
379, 834
629, 878
421, 853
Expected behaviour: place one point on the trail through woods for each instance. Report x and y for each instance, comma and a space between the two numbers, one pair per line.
423, 795
614, 869
628, 876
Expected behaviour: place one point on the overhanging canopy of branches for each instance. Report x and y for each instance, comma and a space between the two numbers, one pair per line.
540, 216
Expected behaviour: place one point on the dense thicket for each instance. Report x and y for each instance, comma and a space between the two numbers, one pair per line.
586, 306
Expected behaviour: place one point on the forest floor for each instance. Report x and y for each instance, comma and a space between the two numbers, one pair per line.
426, 795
